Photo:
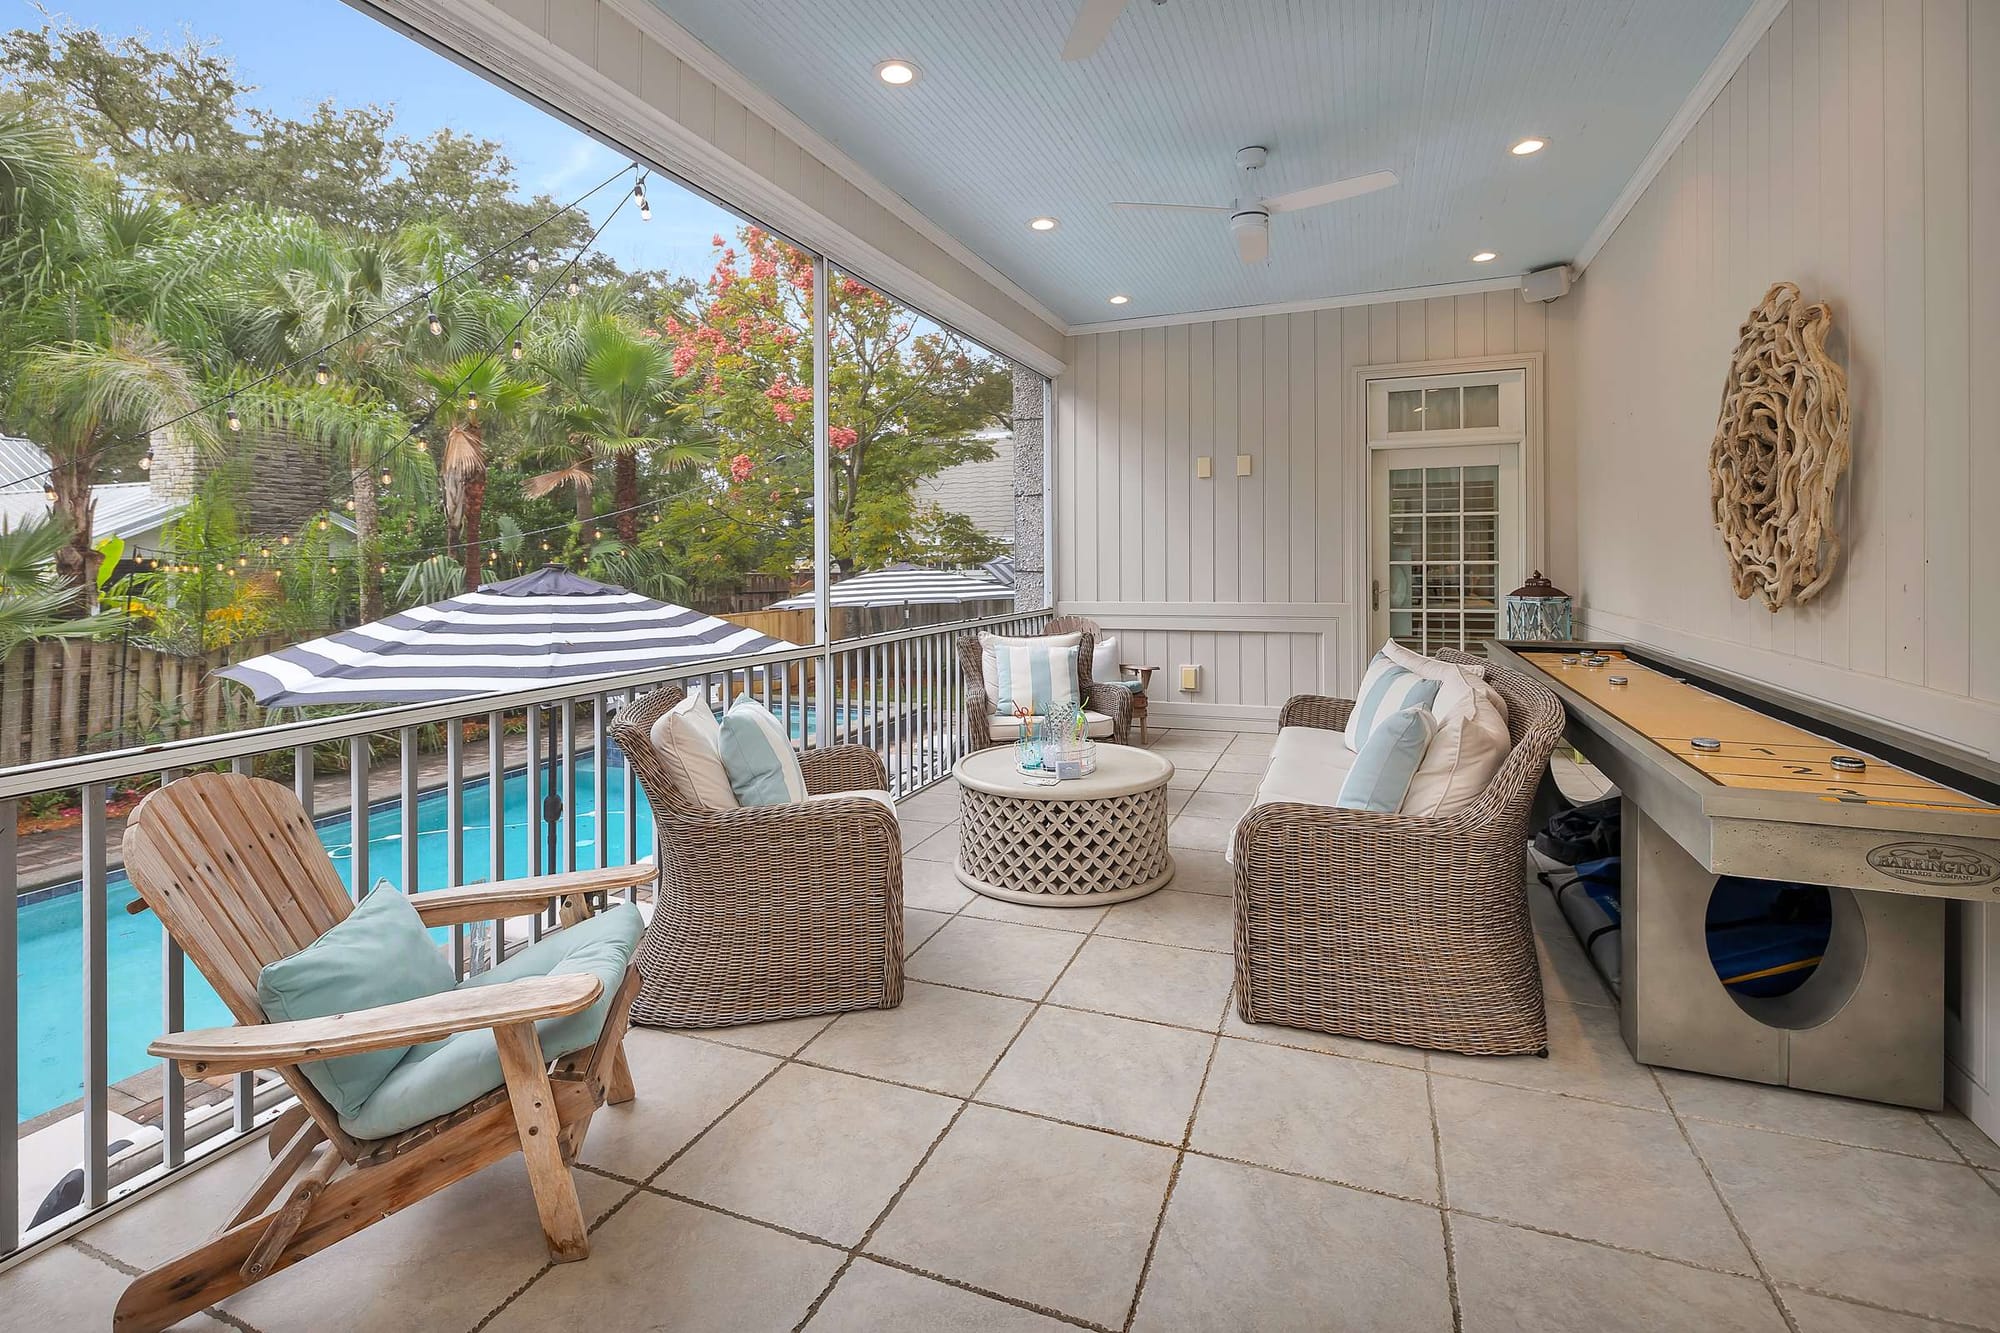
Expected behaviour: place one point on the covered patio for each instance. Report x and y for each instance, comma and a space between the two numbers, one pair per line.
1315, 329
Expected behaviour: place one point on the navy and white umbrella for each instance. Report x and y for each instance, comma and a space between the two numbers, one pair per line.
1000, 570
547, 626
904, 585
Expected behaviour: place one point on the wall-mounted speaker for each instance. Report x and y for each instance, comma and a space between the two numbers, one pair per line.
1546, 284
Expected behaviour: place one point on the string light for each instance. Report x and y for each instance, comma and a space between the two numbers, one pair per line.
285, 540
146, 461
49, 493
472, 402
436, 324
574, 286
518, 351
386, 479
323, 524
534, 263
423, 446
639, 196
229, 415
350, 504
322, 373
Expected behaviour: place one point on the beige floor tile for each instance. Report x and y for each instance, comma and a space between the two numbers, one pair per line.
1198, 834
938, 1038
1915, 1235
1244, 1249
1242, 784
935, 805
1258, 743
1189, 739
1080, 920
1820, 1314
916, 831
1041, 1212
1190, 920
1321, 1115
932, 886
939, 846
1177, 799
1276, 1034
1234, 761
176, 1219
875, 1298
1185, 779
683, 1084
1510, 1279
1811, 1114
919, 925
813, 1150
1967, 1137
1111, 1073
1223, 805
663, 1264
781, 1036
443, 1263
1586, 1169
64, 1288
1183, 986
1198, 871
995, 956
1587, 1058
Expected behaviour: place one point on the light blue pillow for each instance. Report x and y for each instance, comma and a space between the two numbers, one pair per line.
1387, 761
1033, 677
380, 954
1386, 689
758, 756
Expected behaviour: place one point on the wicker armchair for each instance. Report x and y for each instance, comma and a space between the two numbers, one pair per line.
1392, 927
1114, 701
768, 911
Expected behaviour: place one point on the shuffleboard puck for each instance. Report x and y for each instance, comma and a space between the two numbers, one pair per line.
1848, 763
1617, 680
1707, 744
1569, 660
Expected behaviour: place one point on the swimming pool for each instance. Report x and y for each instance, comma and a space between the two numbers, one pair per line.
51, 929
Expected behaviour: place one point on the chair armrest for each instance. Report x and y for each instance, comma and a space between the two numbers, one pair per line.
762, 850
1144, 673
843, 768
483, 902
1315, 710
233, 1050
1114, 701
977, 711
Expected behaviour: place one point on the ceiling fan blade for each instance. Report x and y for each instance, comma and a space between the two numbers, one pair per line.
1093, 24
1183, 208
1253, 241
1331, 193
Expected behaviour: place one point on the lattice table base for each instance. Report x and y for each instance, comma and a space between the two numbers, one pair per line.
1064, 853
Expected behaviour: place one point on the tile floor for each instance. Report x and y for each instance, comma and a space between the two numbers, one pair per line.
1065, 1125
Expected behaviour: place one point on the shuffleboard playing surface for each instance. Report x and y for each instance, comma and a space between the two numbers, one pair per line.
1757, 751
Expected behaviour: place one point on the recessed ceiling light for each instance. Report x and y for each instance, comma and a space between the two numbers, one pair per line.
897, 72
1120, 299
1527, 146
1042, 224
1485, 257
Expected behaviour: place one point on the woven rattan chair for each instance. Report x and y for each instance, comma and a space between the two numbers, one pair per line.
773, 911
1114, 701
1396, 928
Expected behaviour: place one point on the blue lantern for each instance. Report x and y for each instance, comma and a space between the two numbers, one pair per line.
1538, 611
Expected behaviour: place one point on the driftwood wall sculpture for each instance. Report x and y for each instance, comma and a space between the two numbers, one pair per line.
1779, 450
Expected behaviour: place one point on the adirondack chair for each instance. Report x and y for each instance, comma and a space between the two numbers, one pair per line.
236, 874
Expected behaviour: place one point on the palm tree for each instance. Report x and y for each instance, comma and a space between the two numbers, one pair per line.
36, 603
470, 398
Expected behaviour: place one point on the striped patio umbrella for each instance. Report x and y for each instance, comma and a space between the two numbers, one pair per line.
547, 626
1000, 570
904, 585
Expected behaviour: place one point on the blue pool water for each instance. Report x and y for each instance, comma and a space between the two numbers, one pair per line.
51, 930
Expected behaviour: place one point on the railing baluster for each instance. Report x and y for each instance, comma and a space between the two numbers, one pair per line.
245, 1099
535, 776
173, 1018
10, 1024
407, 808
454, 829
600, 783
303, 757
629, 784
96, 1019
357, 816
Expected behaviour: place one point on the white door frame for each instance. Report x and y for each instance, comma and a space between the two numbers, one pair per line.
1360, 543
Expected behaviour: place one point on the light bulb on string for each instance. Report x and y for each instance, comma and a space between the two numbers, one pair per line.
322, 373
517, 351
534, 263
264, 552
49, 494
229, 415
243, 562
146, 461
574, 286
323, 524
639, 197
386, 478
472, 402
436, 324
285, 540
423, 445
350, 506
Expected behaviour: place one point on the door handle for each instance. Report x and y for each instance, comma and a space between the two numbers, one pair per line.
1375, 594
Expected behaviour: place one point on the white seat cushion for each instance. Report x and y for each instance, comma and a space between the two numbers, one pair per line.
882, 798
1308, 764
1000, 728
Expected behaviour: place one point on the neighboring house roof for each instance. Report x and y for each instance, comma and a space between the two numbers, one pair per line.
23, 466
983, 492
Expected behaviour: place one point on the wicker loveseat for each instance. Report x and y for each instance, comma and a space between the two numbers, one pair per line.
773, 911
1113, 702
1391, 927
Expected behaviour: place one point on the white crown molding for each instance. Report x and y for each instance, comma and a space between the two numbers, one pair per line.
1756, 21
651, 20
1466, 288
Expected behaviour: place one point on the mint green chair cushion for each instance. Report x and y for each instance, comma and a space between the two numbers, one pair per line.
1381, 773
758, 756
441, 1076
380, 954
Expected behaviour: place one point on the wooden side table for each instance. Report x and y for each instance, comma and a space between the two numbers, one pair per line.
1144, 675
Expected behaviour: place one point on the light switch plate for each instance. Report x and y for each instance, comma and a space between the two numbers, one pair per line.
1242, 465
1190, 679
1204, 468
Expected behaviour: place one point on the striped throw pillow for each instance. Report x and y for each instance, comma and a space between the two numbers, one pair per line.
990, 646
1385, 689
757, 753
1387, 762
1033, 677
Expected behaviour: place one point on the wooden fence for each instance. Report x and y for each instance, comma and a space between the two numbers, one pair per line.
63, 698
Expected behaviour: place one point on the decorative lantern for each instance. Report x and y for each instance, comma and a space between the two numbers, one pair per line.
1538, 611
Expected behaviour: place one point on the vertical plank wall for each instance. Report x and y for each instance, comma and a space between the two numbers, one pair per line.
1248, 578
1856, 153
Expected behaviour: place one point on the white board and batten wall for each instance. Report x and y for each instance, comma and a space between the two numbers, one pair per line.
1856, 152
1259, 580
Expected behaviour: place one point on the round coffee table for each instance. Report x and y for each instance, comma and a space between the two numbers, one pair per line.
1083, 842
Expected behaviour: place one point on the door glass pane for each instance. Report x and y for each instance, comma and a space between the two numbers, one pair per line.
1441, 585
1403, 629
1441, 490
1406, 490
1403, 585
1405, 538
1482, 490
1481, 585
1443, 572
1441, 409
1441, 537
1406, 409
1482, 406
1479, 536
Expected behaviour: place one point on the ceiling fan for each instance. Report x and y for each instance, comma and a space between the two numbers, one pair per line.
1093, 24
1250, 214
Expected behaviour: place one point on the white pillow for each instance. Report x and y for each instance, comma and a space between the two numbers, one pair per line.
1464, 754
989, 649
1456, 680
1104, 659
1386, 689
690, 744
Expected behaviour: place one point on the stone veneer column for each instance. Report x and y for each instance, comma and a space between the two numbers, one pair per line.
1030, 439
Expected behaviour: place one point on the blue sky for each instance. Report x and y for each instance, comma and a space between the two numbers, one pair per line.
299, 52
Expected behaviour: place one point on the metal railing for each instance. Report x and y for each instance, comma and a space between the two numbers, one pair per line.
496, 786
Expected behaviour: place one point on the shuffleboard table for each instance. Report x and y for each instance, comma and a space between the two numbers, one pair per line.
1722, 775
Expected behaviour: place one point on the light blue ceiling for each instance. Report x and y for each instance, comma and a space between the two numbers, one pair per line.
999, 129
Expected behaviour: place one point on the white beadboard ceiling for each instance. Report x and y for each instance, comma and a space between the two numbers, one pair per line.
999, 129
